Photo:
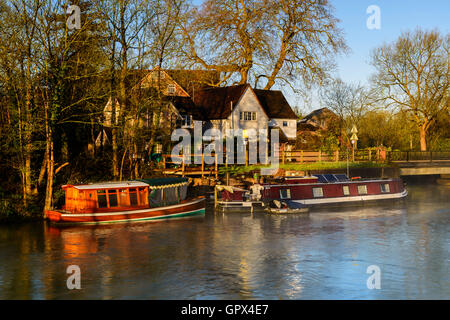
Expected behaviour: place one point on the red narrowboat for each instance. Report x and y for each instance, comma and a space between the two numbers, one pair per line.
335, 189
326, 189
127, 201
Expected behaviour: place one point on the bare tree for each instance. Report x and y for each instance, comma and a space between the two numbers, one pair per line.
413, 74
348, 101
276, 40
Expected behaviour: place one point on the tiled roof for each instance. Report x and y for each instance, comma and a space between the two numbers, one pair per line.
217, 103
275, 104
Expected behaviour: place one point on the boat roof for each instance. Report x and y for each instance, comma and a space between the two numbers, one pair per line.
108, 185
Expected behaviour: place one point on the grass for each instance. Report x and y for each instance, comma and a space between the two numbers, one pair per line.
305, 166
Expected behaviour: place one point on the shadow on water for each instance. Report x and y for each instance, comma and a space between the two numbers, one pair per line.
320, 255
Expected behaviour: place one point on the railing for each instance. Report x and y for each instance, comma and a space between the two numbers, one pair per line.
184, 167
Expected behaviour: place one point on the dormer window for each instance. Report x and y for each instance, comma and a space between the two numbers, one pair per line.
171, 89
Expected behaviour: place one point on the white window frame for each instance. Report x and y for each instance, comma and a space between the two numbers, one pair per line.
387, 188
317, 192
247, 116
288, 194
346, 190
171, 88
364, 189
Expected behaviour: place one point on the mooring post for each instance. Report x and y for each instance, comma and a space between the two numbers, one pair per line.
203, 165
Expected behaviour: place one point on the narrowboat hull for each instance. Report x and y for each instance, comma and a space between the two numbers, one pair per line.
353, 200
185, 209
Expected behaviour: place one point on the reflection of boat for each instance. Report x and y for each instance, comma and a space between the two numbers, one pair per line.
279, 207
127, 201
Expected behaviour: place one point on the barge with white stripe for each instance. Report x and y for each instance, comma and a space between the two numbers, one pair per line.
318, 190
129, 201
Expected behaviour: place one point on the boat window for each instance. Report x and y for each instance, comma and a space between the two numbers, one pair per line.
362, 189
346, 190
285, 193
112, 195
317, 192
123, 198
385, 188
142, 196
101, 198
133, 197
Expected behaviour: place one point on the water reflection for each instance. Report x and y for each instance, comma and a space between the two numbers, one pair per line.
320, 255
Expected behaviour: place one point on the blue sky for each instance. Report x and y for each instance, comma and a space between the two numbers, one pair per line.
396, 16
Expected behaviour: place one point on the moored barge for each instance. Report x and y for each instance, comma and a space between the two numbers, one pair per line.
127, 201
317, 190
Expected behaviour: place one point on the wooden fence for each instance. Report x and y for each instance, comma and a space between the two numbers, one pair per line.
187, 165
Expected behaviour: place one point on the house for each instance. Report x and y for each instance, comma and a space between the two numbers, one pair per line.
171, 89
185, 96
241, 107
314, 127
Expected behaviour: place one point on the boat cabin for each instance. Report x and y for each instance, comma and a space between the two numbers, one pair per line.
105, 197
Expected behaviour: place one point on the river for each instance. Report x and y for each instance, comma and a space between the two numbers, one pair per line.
321, 255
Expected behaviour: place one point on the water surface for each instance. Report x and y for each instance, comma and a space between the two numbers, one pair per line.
322, 255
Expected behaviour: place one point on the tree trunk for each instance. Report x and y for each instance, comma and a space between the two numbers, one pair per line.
50, 161
423, 136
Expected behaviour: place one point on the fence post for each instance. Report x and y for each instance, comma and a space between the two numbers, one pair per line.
431, 156
320, 156
282, 156
164, 161
337, 155
203, 165
182, 167
370, 155
216, 166
301, 156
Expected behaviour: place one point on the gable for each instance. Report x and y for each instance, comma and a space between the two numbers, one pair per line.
249, 102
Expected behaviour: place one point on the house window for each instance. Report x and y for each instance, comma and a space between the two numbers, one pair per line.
385, 188
346, 190
247, 116
171, 88
187, 120
362, 189
285, 194
285, 123
317, 192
